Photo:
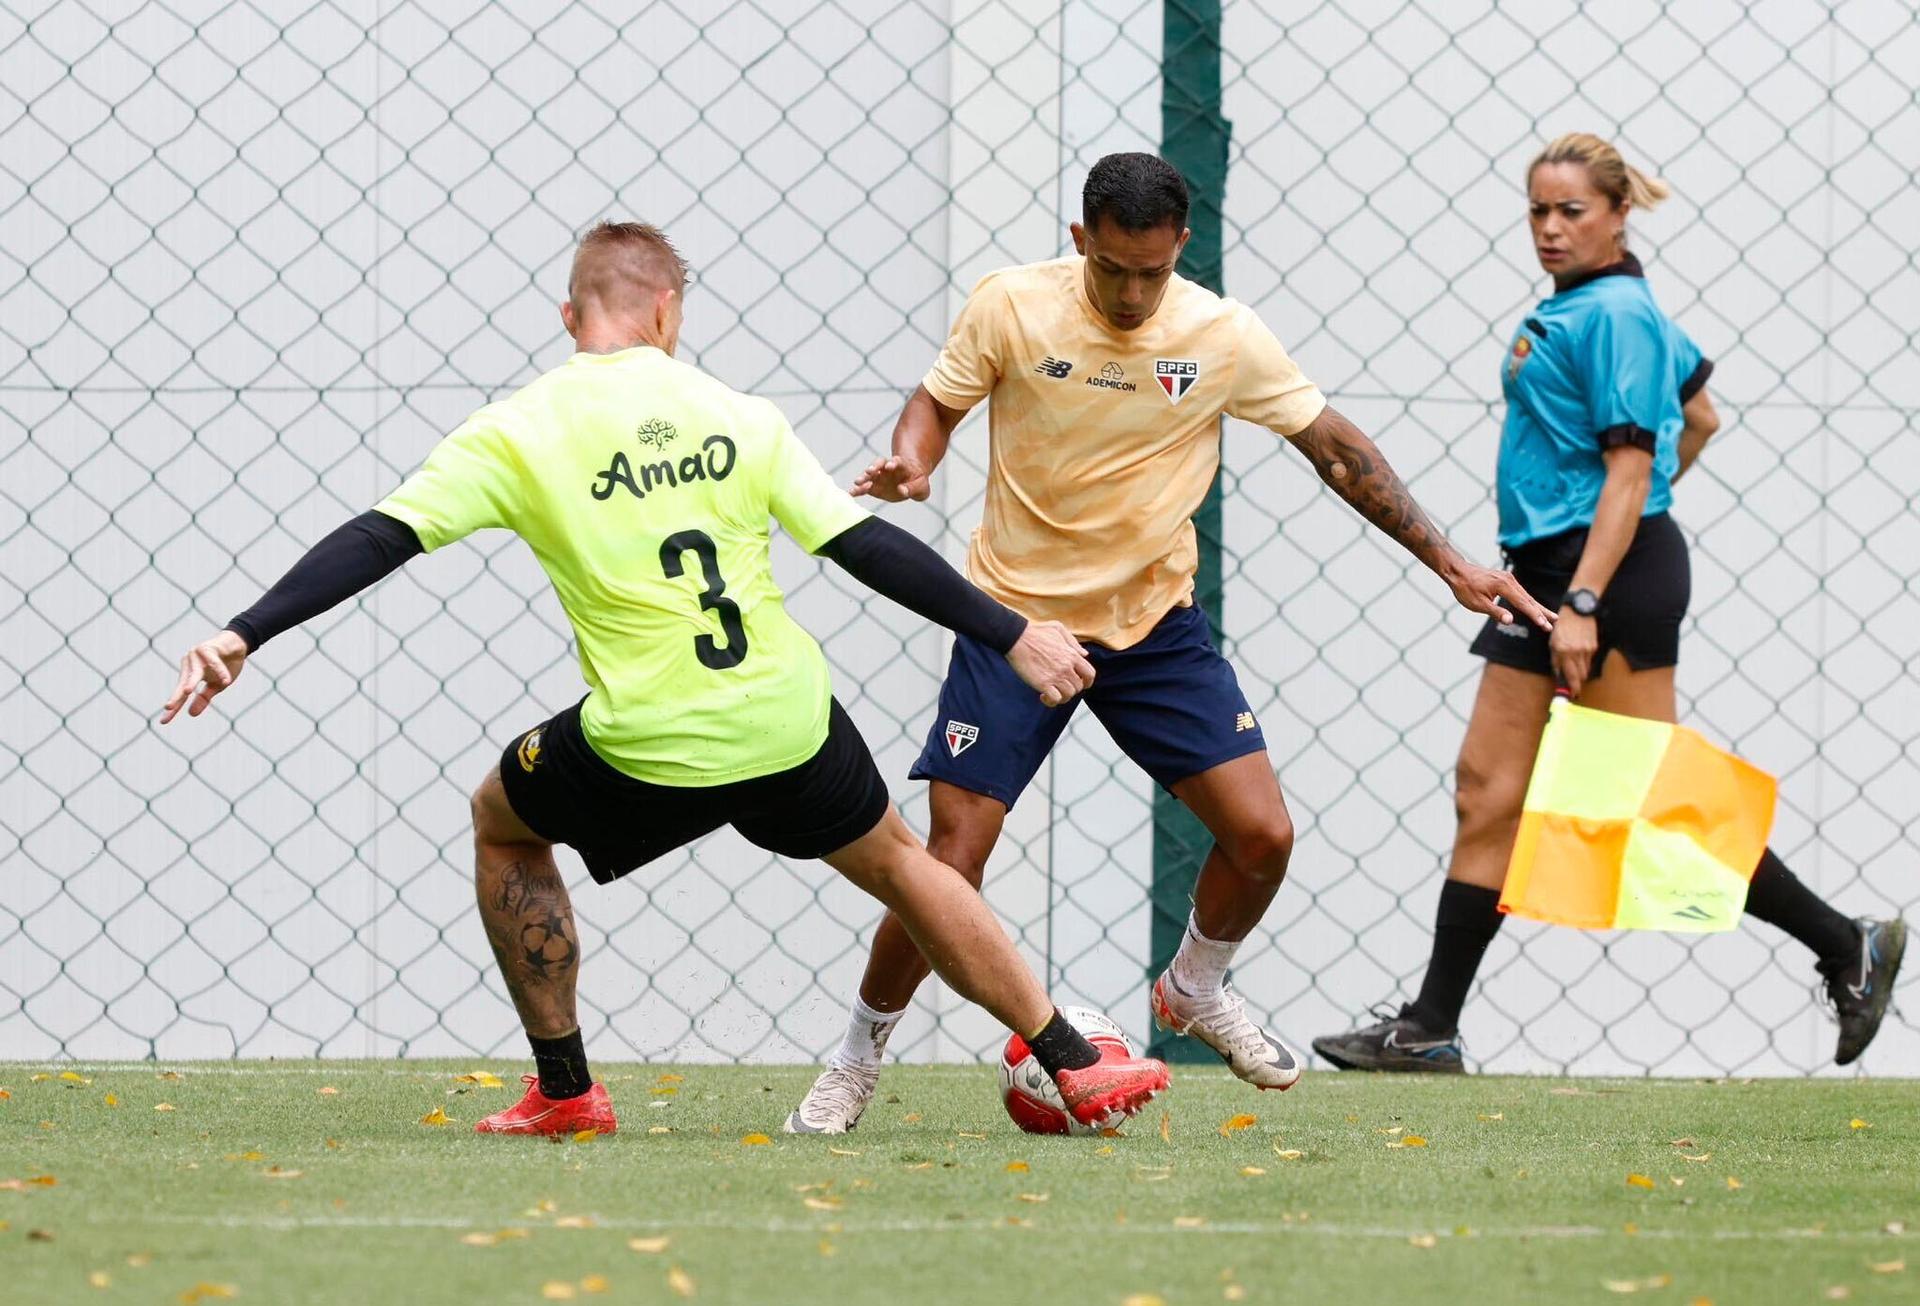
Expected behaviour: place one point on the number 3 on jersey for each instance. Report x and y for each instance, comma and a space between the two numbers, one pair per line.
712, 599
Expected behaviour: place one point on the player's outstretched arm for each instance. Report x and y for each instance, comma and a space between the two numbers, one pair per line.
889, 561
1359, 473
353, 557
920, 441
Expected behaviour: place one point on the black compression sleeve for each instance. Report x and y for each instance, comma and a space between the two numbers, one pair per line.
332, 571
889, 561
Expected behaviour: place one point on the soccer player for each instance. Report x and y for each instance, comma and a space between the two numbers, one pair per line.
1607, 405
1107, 375
644, 487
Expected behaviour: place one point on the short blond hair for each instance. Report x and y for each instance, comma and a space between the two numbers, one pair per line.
1611, 175
615, 255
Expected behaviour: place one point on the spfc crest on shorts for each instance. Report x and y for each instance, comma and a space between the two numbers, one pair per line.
961, 737
1176, 376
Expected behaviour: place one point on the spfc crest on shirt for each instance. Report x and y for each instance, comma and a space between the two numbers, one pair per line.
1176, 376
961, 737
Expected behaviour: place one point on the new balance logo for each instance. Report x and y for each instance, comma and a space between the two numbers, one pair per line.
1054, 367
961, 737
1243, 722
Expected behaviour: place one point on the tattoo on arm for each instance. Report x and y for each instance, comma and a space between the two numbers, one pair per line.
538, 929
1358, 472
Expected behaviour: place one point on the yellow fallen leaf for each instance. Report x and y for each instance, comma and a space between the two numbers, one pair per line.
1857, 1123
822, 1203
1392, 1129
163, 1106
112, 1100
1888, 1267
1034, 1197
574, 1222
39, 1235
1166, 1126
1620, 1285
585, 1135
334, 1144
594, 1283
1189, 1221
1288, 1153
650, 1246
1676, 1181
670, 1078
910, 1118
1894, 1227
812, 1188
99, 1279
923, 1165
480, 1239
5, 1095
680, 1281
1496, 1115
1630, 1228
1251, 1171
1143, 1299
1703, 1158
40, 1078
1659, 1281
755, 1140
1107, 1150
169, 1076
68, 1076
1234, 1292
327, 1090
1699, 1301
1733, 1185
275, 1172
1018, 1221
844, 1151
481, 1078
245, 1156
1411, 1140
827, 1248
209, 1292
1424, 1240
558, 1290
1018, 1167
1353, 1119
438, 1117
1234, 1124
140, 1260
1682, 1142
964, 1134
44, 1180
1838, 1292
1639, 1181
663, 1092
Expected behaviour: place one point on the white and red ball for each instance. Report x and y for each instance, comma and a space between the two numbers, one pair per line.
1029, 1092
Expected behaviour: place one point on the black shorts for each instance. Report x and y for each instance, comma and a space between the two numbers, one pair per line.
567, 793
1640, 613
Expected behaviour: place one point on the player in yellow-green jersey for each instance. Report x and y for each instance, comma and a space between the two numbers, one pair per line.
644, 488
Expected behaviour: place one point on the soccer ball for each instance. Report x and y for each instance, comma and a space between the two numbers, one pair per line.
1029, 1092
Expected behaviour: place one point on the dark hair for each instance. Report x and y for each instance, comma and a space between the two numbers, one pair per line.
1137, 192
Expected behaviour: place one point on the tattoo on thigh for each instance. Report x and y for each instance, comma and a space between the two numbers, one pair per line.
540, 927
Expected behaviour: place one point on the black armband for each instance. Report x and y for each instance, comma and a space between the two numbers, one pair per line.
353, 557
1697, 381
889, 561
1627, 433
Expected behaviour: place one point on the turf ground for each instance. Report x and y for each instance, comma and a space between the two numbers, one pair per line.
319, 1182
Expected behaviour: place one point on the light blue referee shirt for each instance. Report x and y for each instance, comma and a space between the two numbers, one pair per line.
1595, 366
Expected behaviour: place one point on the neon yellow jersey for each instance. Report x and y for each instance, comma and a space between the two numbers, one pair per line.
644, 488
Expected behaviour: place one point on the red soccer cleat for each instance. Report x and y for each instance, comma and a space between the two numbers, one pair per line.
1115, 1085
536, 1113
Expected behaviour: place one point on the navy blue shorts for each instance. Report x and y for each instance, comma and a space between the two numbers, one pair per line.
1171, 702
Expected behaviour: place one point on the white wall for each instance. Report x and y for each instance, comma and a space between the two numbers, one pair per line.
237, 308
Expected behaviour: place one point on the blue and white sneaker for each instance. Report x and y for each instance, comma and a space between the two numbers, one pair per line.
1861, 989
1394, 1042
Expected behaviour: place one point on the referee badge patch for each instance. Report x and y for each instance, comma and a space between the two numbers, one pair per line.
961, 737
1176, 376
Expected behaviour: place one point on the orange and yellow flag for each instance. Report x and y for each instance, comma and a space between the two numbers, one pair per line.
1636, 825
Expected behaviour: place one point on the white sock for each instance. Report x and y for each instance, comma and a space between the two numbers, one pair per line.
1200, 966
867, 1034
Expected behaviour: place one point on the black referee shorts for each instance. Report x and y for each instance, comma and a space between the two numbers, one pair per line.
1640, 613
567, 793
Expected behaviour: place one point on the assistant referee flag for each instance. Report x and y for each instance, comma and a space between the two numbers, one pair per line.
1633, 824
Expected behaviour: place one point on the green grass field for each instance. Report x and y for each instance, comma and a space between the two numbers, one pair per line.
318, 1182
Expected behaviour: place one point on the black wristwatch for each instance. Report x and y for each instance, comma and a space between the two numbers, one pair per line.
1583, 602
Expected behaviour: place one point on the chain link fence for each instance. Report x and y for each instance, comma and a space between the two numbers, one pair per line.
255, 259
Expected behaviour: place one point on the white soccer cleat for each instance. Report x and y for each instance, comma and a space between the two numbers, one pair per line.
1221, 1022
836, 1101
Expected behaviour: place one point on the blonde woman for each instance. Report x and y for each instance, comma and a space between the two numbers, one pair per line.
1607, 406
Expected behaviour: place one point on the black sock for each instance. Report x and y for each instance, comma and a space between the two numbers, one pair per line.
1777, 897
1468, 918
562, 1063
1061, 1047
